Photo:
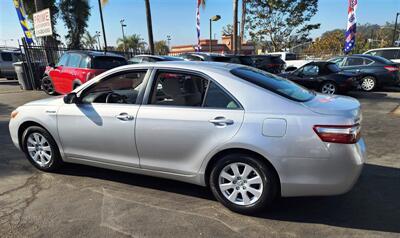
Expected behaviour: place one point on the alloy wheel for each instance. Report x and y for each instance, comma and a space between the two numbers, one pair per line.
367, 84
39, 149
240, 183
328, 88
47, 86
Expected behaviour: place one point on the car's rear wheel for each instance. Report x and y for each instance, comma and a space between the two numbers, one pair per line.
41, 149
48, 86
243, 183
368, 83
329, 88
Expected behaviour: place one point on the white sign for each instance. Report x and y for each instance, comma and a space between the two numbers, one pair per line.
42, 23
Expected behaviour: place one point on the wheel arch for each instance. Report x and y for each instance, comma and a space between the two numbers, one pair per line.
252, 153
26, 125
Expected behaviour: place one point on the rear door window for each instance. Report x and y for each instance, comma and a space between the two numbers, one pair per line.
84, 62
107, 62
6, 56
217, 98
274, 84
354, 61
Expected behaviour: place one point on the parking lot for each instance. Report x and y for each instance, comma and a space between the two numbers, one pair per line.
82, 201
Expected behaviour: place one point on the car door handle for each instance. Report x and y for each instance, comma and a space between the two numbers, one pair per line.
125, 117
221, 121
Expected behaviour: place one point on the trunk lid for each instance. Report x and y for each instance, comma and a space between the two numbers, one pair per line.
334, 105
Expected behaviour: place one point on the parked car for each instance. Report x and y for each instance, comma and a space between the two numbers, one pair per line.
373, 71
249, 135
152, 58
324, 77
201, 56
77, 67
240, 59
7, 58
270, 63
291, 60
390, 53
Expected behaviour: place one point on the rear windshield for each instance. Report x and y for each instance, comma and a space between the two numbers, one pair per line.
274, 83
107, 62
171, 58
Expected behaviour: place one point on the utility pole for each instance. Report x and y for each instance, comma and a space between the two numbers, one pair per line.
149, 26
168, 40
102, 26
235, 26
395, 28
123, 33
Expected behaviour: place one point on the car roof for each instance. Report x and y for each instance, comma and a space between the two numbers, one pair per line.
386, 48
95, 53
189, 65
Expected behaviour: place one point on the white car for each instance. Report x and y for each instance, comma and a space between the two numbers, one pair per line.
390, 53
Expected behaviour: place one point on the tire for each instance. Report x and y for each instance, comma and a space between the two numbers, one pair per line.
48, 86
368, 83
43, 154
329, 88
267, 183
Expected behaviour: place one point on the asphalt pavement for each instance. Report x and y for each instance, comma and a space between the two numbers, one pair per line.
82, 201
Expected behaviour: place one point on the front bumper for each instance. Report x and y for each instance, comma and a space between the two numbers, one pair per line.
318, 177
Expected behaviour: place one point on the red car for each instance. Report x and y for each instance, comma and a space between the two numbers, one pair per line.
77, 67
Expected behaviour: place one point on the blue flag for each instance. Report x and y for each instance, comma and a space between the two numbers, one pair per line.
22, 20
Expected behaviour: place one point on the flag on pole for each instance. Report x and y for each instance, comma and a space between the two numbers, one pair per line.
198, 47
351, 27
22, 20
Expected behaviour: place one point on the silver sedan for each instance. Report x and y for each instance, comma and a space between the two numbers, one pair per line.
248, 135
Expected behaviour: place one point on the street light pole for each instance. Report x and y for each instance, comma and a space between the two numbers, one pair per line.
98, 38
213, 18
102, 27
395, 28
169, 39
123, 33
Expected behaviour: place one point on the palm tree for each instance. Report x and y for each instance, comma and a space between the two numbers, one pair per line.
235, 26
242, 23
89, 41
149, 26
133, 42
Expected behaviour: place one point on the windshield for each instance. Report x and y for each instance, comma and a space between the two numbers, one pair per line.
108, 62
274, 83
333, 68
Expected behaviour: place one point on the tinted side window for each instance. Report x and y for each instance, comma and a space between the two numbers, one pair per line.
119, 88
6, 56
63, 60
217, 98
178, 89
107, 62
74, 60
310, 70
388, 54
354, 61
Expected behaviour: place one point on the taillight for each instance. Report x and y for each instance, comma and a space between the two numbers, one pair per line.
391, 68
338, 134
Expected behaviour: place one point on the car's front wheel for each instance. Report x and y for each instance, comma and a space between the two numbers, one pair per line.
243, 183
329, 88
41, 149
368, 83
48, 86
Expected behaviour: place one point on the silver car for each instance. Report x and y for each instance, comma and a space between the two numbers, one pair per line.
248, 135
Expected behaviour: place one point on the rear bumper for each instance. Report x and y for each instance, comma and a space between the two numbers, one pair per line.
389, 79
320, 177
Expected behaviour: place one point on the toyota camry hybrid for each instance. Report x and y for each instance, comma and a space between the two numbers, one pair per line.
249, 135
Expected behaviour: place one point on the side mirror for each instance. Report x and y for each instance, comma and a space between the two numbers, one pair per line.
71, 98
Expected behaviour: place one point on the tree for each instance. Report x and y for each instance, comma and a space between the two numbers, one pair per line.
281, 23
149, 26
227, 30
235, 26
161, 47
133, 42
89, 41
75, 14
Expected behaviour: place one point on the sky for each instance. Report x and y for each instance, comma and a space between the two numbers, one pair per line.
177, 18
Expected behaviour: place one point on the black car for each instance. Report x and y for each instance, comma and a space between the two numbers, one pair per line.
325, 77
241, 59
374, 71
152, 58
270, 63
